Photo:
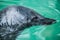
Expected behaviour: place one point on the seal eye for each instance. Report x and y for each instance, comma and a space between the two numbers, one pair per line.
34, 19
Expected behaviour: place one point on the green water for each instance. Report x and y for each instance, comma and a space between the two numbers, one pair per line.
47, 8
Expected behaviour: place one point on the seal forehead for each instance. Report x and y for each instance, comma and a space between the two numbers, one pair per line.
12, 15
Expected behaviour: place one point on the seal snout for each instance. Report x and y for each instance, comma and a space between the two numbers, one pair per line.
48, 21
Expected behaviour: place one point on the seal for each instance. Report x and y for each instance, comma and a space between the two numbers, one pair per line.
14, 19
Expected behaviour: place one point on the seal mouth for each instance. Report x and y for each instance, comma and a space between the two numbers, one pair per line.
48, 21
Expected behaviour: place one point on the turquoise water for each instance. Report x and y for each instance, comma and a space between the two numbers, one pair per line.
47, 8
